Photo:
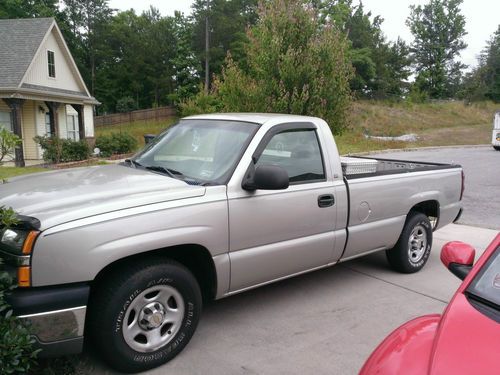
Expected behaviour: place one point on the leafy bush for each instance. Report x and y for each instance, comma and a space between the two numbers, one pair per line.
8, 142
201, 103
56, 150
116, 143
16, 351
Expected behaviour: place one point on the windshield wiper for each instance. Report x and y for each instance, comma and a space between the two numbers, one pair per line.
168, 171
133, 162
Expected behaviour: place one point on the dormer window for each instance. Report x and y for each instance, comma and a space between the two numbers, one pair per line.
51, 64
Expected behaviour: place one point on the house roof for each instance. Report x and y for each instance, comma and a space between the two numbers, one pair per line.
19, 42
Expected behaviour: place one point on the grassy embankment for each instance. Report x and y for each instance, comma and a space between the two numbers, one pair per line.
435, 124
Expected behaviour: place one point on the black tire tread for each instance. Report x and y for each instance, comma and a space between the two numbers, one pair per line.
104, 293
398, 255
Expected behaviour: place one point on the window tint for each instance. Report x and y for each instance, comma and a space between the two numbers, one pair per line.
51, 64
296, 151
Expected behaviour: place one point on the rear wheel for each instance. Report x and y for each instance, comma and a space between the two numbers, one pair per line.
413, 248
496, 148
143, 315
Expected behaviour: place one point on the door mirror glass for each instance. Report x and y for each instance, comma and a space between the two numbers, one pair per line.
458, 257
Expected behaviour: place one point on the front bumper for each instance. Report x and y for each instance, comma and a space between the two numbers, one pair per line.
56, 316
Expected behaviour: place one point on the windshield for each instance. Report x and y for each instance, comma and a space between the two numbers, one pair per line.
486, 285
205, 151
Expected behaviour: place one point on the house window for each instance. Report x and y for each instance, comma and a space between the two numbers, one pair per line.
72, 127
47, 125
6, 120
51, 63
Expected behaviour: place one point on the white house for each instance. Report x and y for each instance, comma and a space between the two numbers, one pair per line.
41, 89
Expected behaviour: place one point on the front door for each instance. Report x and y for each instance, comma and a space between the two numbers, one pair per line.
274, 234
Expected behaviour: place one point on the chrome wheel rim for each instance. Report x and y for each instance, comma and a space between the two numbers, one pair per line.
153, 318
417, 244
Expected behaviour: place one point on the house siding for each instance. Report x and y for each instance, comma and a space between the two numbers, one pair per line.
38, 73
29, 130
4, 107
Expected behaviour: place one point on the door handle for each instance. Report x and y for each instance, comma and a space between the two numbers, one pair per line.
326, 200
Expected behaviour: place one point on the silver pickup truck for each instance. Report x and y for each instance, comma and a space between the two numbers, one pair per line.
217, 204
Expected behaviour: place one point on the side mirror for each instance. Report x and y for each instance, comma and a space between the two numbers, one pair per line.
458, 257
267, 177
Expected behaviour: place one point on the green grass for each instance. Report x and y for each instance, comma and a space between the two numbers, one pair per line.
136, 129
7, 172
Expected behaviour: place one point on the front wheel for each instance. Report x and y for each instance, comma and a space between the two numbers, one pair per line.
143, 315
496, 148
413, 248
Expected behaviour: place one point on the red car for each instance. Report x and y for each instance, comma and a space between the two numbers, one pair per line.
465, 339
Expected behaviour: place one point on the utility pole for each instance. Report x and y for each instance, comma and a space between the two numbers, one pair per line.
207, 46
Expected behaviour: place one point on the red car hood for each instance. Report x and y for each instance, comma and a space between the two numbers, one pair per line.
467, 341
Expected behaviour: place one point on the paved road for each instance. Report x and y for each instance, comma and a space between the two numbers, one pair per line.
325, 322
482, 179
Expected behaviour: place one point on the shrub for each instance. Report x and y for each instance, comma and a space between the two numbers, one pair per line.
201, 103
16, 351
8, 142
56, 150
116, 143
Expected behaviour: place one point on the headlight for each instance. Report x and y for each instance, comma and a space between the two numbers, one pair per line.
17, 245
17, 241
14, 239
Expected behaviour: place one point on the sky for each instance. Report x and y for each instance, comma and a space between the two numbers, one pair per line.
482, 18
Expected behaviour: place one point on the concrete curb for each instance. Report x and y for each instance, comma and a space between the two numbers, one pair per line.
387, 151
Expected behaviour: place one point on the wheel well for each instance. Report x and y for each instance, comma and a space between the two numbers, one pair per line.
430, 209
194, 257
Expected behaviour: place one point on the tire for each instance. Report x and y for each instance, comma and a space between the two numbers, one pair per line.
143, 315
496, 148
413, 248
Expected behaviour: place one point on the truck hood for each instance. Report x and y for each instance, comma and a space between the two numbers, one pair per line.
61, 196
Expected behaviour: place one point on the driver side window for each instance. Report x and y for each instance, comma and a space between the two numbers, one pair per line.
298, 152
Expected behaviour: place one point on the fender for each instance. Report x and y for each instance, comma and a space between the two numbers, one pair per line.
407, 350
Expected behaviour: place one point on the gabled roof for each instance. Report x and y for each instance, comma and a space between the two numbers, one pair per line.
19, 42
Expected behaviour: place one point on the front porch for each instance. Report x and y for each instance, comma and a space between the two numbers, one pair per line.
28, 118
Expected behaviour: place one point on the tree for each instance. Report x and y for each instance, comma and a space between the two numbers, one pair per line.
381, 68
28, 8
228, 21
438, 29
484, 81
491, 61
293, 65
87, 20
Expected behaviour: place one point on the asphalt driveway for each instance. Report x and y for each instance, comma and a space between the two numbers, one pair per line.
325, 322
329, 321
